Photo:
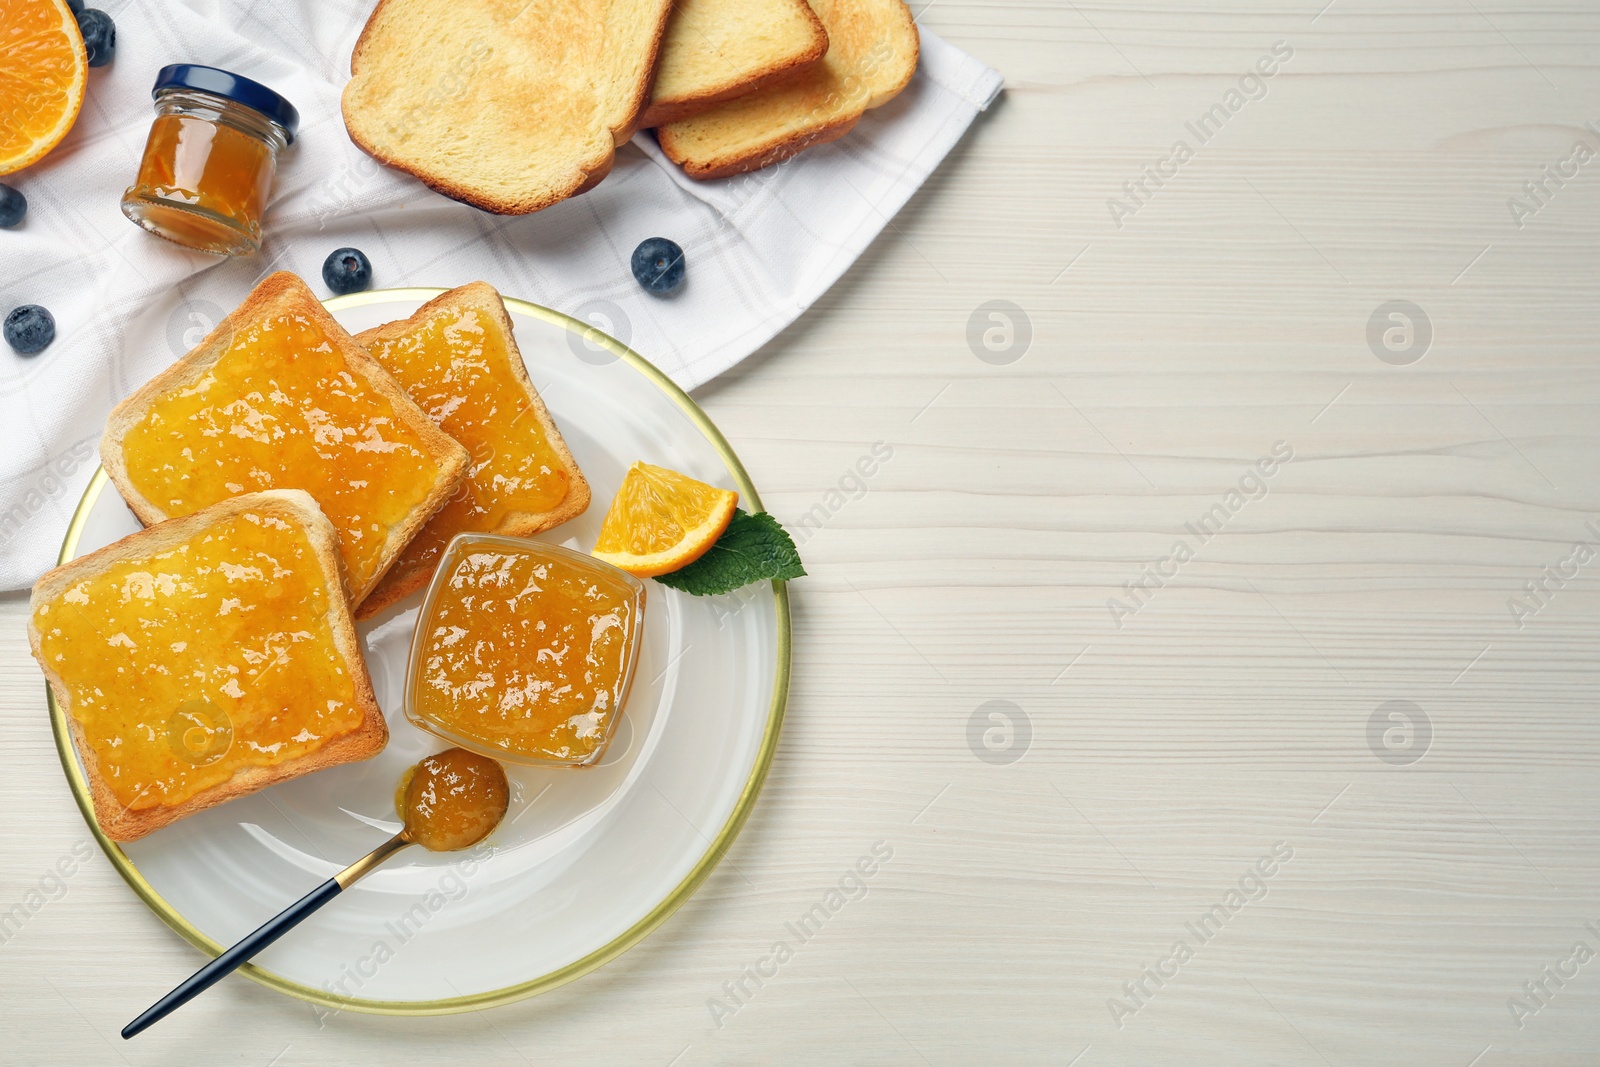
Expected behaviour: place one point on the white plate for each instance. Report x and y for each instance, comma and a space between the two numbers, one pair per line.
589, 860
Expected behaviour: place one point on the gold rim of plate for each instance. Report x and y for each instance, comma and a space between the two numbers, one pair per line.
614, 948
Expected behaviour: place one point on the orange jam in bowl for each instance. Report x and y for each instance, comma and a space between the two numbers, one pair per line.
525, 651
208, 165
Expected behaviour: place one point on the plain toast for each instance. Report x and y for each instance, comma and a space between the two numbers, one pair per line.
507, 105
718, 50
872, 54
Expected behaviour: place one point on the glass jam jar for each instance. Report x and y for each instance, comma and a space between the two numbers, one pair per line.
525, 651
208, 165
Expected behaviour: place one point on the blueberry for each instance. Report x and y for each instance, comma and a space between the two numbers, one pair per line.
13, 205
658, 265
76, 6
29, 329
99, 35
346, 270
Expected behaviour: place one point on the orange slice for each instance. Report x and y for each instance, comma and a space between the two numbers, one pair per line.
43, 71
661, 520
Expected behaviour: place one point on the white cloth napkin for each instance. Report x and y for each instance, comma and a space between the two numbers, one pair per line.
759, 248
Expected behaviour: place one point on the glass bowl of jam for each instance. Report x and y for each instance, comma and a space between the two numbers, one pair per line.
524, 651
210, 159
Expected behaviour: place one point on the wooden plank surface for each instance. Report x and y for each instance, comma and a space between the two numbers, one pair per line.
1179, 731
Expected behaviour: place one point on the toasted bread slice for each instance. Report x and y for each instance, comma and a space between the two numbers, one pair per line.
279, 396
872, 53
205, 658
507, 105
716, 50
457, 358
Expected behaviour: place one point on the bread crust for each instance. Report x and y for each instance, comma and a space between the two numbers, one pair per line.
735, 163
283, 289
623, 133
587, 173
796, 135
366, 740
660, 112
397, 584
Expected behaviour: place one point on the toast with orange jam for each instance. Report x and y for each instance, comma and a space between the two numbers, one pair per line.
205, 658
458, 360
279, 396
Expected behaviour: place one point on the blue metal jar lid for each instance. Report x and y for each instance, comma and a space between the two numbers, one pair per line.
229, 86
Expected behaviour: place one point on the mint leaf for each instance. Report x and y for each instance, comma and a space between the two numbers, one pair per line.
754, 548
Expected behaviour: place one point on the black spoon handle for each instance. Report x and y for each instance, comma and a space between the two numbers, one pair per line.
217, 969
264, 935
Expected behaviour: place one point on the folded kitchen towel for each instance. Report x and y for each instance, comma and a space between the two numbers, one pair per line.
760, 247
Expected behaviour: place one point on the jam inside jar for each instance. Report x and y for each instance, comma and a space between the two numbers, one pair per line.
209, 162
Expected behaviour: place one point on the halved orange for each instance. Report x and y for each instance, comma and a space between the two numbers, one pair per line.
43, 72
661, 520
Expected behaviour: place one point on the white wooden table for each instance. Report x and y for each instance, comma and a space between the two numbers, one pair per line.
1235, 699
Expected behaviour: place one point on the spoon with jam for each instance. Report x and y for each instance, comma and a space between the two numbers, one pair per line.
447, 802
